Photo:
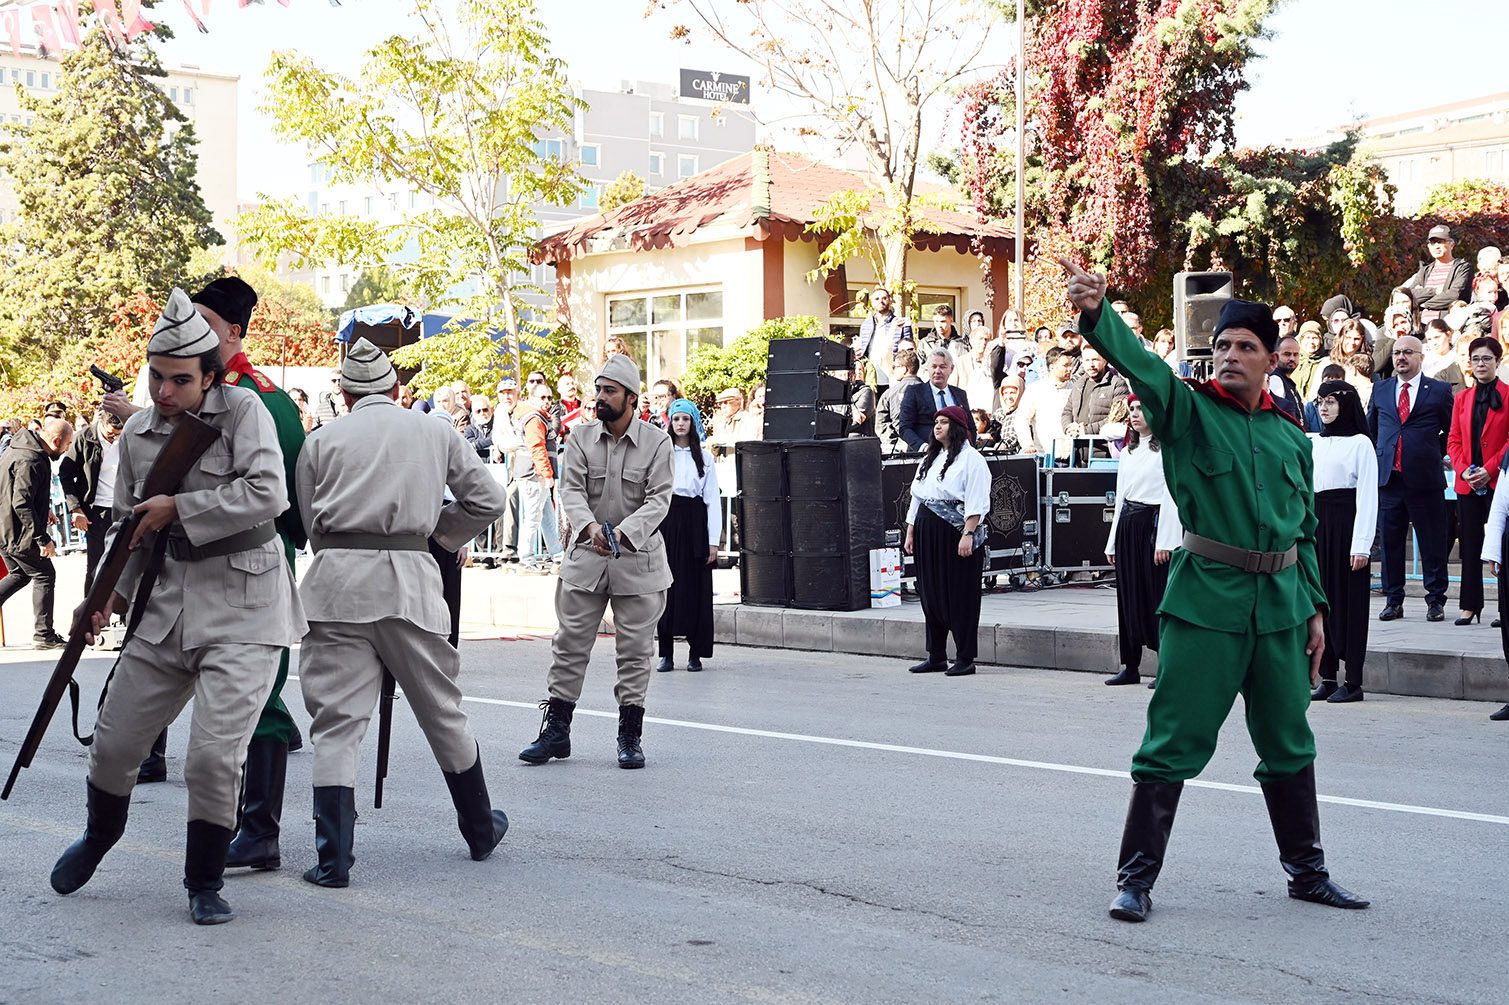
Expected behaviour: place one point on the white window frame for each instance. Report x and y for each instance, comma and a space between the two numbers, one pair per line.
657, 158
591, 197
681, 160
684, 134
597, 154
651, 331
657, 123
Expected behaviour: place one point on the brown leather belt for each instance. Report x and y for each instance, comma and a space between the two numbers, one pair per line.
180, 549
369, 542
1267, 562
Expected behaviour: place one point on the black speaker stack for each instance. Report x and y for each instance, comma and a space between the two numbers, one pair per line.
811, 513
804, 399
1198, 299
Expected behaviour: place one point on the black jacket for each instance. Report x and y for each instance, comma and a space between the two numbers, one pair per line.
1090, 401
888, 414
1458, 286
26, 488
79, 471
918, 407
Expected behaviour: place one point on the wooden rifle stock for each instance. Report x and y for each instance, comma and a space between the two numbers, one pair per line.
190, 439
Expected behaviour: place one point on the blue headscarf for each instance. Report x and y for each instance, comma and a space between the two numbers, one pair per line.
683, 405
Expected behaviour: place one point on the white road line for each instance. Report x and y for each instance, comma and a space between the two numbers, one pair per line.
1013, 762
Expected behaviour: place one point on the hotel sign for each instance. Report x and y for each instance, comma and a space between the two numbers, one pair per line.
714, 85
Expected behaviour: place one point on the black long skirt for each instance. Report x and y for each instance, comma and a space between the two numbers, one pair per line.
1139, 583
949, 587
689, 602
1346, 591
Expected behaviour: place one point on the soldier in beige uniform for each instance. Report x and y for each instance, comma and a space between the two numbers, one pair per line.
615, 471
370, 490
222, 608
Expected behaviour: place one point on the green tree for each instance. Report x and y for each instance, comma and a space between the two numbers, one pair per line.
454, 112
625, 189
468, 352
104, 178
374, 286
741, 363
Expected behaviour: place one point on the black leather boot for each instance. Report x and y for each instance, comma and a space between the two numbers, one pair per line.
665, 665
256, 843
1126, 676
1150, 817
630, 729
555, 733
105, 824
1295, 814
155, 767
204, 872
334, 834
481, 825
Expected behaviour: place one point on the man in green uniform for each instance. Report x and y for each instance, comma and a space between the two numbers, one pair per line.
227, 305
1243, 609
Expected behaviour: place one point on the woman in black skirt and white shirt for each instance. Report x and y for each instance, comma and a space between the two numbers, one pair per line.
950, 497
1346, 508
1144, 532
691, 530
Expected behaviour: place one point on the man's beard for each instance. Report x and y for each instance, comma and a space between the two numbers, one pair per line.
607, 413
1286, 370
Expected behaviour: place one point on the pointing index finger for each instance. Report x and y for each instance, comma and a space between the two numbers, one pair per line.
1074, 271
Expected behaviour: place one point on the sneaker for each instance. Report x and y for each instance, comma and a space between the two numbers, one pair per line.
52, 640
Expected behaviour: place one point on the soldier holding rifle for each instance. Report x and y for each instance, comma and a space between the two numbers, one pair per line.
369, 489
1243, 609
221, 606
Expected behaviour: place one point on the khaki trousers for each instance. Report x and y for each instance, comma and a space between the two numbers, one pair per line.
579, 613
340, 671
152, 683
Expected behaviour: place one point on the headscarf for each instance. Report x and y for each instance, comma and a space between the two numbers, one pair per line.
1340, 302
682, 405
1350, 419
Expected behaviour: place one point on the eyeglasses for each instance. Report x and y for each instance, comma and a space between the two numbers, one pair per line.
1407, 352
1482, 359
484, 411
535, 380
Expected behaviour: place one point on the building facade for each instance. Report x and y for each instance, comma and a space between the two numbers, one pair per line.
207, 98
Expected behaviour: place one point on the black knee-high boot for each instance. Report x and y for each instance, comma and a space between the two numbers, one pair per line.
204, 872
1150, 818
256, 843
334, 835
106, 823
481, 825
1295, 814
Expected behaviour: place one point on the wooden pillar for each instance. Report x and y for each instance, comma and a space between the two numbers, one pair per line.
563, 296
1000, 283
772, 251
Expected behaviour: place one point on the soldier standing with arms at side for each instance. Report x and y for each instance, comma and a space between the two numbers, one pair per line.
213, 626
616, 473
1244, 607
370, 490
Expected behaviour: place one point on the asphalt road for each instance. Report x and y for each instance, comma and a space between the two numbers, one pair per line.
811, 828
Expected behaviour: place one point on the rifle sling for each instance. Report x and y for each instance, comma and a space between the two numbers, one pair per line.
138, 608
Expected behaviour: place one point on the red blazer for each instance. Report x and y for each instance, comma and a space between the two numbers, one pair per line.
1495, 437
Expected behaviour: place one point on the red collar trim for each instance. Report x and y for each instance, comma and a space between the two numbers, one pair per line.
1211, 389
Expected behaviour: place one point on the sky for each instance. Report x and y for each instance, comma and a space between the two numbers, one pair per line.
1327, 62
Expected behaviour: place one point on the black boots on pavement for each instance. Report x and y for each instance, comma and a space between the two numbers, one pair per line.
1150, 817
256, 843
334, 835
204, 872
555, 732
1293, 811
1295, 814
105, 824
630, 729
481, 825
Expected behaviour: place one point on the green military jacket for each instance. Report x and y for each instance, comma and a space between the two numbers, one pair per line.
1244, 479
285, 418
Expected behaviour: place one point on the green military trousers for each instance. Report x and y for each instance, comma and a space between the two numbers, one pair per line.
1200, 673
276, 723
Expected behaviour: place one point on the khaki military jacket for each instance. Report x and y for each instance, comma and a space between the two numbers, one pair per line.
624, 482
383, 470
247, 596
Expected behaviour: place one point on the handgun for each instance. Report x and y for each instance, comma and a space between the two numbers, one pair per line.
612, 537
109, 381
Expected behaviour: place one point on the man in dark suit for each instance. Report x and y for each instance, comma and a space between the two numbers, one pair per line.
1410, 415
921, 401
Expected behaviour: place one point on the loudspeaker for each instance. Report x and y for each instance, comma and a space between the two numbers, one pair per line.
804, 387
804, 422
813, 540
1198, 299
809, 354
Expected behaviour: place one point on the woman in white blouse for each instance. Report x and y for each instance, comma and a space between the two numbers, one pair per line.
691, 530
1495, 543
1145, 531
1346, 507
950, 497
